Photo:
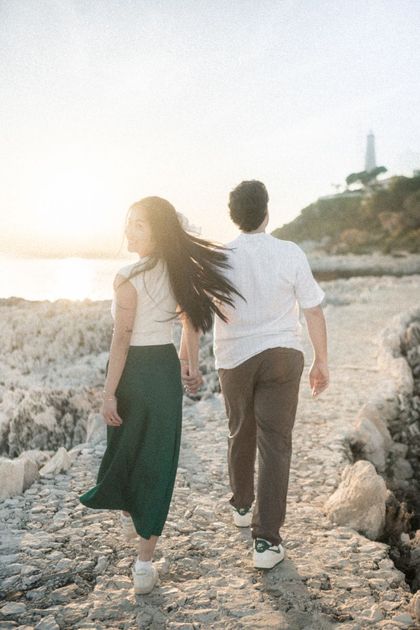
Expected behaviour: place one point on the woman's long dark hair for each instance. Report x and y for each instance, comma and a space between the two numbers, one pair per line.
194, 264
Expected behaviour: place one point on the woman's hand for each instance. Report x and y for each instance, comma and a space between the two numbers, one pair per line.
318, 377
109, 412
191, 378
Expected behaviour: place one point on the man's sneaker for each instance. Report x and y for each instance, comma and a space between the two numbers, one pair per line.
242, 517
127, 527
266, 555
144, 580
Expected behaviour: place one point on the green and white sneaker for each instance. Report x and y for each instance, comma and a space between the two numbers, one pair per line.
242, 517
266, 555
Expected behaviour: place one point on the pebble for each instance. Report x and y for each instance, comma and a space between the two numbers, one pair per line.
403, 618
63, 594
12, 608
49, 623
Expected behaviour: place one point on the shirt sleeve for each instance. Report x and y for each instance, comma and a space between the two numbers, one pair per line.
126, 271
307, 290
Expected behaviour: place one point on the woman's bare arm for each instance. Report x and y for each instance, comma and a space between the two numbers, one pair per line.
188, 355
125, 310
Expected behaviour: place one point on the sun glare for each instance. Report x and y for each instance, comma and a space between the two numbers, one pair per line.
73, 278
70, 208
58, 278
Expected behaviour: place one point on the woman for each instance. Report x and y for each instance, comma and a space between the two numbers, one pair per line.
177, 275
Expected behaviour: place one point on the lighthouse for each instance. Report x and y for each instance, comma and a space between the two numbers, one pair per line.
370, 158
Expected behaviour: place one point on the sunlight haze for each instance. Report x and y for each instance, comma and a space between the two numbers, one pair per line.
104, 102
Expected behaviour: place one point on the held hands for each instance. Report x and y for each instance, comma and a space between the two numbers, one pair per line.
109, 412
191, 378
318, 377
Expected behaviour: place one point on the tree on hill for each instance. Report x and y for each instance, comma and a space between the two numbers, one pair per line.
388, 219
412, 210
365, 177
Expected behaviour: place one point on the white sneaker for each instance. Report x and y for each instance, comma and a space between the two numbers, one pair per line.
266, 555
242, 517
127, 527
144, 579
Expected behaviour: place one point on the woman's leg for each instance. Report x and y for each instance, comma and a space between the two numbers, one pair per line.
146, 548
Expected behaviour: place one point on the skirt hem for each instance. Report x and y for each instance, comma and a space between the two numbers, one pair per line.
143, 535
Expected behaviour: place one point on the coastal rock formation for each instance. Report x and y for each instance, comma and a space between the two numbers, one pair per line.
390, 360
95, 429
359, 501
17, 475
31, 471
371, 437
387, 433
45, 419
59, 463
64, 566
12, 474
369, 220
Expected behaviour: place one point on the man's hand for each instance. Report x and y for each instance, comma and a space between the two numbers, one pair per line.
191, 379
318, 377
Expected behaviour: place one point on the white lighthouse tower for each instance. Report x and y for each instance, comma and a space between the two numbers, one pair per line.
370, 158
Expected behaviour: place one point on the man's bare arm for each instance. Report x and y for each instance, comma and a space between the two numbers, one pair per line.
317, 329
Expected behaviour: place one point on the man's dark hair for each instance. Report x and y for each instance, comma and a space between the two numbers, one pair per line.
248, 205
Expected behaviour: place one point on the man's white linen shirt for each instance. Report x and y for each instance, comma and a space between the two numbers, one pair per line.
275, 278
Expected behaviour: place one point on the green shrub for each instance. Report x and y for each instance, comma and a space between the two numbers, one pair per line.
388, 218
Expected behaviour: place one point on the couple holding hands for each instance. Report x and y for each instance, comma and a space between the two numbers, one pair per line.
251, 288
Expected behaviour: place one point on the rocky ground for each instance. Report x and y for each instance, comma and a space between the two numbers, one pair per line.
65, 566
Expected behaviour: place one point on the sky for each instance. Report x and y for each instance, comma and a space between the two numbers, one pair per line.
103, 102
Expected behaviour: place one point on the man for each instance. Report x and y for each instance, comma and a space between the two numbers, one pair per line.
260, 359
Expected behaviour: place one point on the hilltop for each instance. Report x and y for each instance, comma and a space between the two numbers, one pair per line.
384, 217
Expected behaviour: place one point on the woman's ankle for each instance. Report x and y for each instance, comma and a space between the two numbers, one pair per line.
143, 562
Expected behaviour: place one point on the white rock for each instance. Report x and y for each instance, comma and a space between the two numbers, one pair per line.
390, 360
12, 475
373, 433
31, 473
60, 462
359, 501
385, 400
96, 428
36, 455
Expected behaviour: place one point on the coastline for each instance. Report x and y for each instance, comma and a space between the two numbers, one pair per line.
51, 563
329, 267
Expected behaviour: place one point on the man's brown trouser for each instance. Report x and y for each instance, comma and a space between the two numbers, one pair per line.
261, 396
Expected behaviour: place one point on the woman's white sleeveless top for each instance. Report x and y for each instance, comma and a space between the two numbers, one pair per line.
156, 304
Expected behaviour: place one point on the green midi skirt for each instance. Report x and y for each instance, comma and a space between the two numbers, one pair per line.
138, 469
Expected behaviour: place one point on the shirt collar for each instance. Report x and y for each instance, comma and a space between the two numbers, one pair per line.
255, 235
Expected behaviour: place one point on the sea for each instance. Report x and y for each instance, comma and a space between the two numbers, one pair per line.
58, 278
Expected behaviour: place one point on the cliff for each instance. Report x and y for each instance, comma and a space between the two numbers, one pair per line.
384, 218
